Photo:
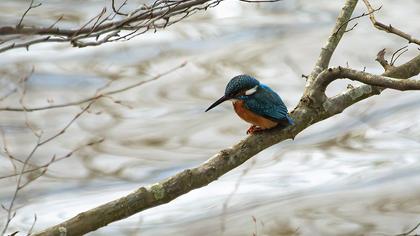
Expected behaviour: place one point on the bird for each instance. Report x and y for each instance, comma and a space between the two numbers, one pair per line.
255, 103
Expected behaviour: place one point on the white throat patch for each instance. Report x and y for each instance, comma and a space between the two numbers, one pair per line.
251, 91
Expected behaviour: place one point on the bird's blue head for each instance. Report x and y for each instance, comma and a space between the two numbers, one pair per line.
238, 88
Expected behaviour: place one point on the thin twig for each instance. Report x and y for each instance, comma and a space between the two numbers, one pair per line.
55, 159
19, 183
32, 226
305, 114
7, 152
357, 17
68, 124
31, 6
393, 60
96, 96
389, 28
117, 11
56, 22
139, 20
8, 94
410, 231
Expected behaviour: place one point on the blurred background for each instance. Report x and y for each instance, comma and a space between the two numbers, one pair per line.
357, 173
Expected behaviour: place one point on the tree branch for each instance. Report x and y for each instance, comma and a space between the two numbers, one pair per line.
340, 102
356, 17
304, 116
313, 107
380, 57
99, 29
146, 197
316, 97
410, 231
95, 97
333, 40
389, 28
31, 6
328, 76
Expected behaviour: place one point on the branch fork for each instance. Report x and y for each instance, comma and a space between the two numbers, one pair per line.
314, 106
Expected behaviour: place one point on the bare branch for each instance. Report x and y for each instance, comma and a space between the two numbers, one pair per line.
410, 231
380, 57
56, 22
333, 40
8, 154
31, 6
96, 96
328, 76
357, 17
389, 28
29, 43
146, 197
340, 102
32, 226
19, 183
313, 107
55, 159
8, 94
401, 51
68, 124
117, 11
107, 38
138, 21
304, 116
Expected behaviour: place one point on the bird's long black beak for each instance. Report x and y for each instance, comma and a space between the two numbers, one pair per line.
220, 100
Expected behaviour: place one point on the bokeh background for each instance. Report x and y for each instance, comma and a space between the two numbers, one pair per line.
357, 173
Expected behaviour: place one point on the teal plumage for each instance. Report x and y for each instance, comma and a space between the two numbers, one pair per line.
267, 103
256, 103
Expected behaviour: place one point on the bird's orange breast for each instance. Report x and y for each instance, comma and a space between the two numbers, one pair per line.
252, 117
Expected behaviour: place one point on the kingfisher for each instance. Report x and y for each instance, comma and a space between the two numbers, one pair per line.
255, 103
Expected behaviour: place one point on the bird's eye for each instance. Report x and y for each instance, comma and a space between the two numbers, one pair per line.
251, 91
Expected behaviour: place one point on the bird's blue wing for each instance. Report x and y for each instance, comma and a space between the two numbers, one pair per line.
267, 103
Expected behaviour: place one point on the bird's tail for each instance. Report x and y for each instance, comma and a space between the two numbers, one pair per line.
286, 122
290, 120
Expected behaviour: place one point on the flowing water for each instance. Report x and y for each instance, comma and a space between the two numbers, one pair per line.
357, 173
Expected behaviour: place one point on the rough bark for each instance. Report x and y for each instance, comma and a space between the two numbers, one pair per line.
313, 107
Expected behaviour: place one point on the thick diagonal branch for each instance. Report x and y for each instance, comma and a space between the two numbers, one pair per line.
226, 160
304, 115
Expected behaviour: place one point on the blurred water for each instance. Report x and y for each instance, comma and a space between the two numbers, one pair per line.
354, 174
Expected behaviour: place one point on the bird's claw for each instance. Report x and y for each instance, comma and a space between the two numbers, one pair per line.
254, 129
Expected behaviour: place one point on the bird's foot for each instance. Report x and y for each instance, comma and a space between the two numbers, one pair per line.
254, 129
